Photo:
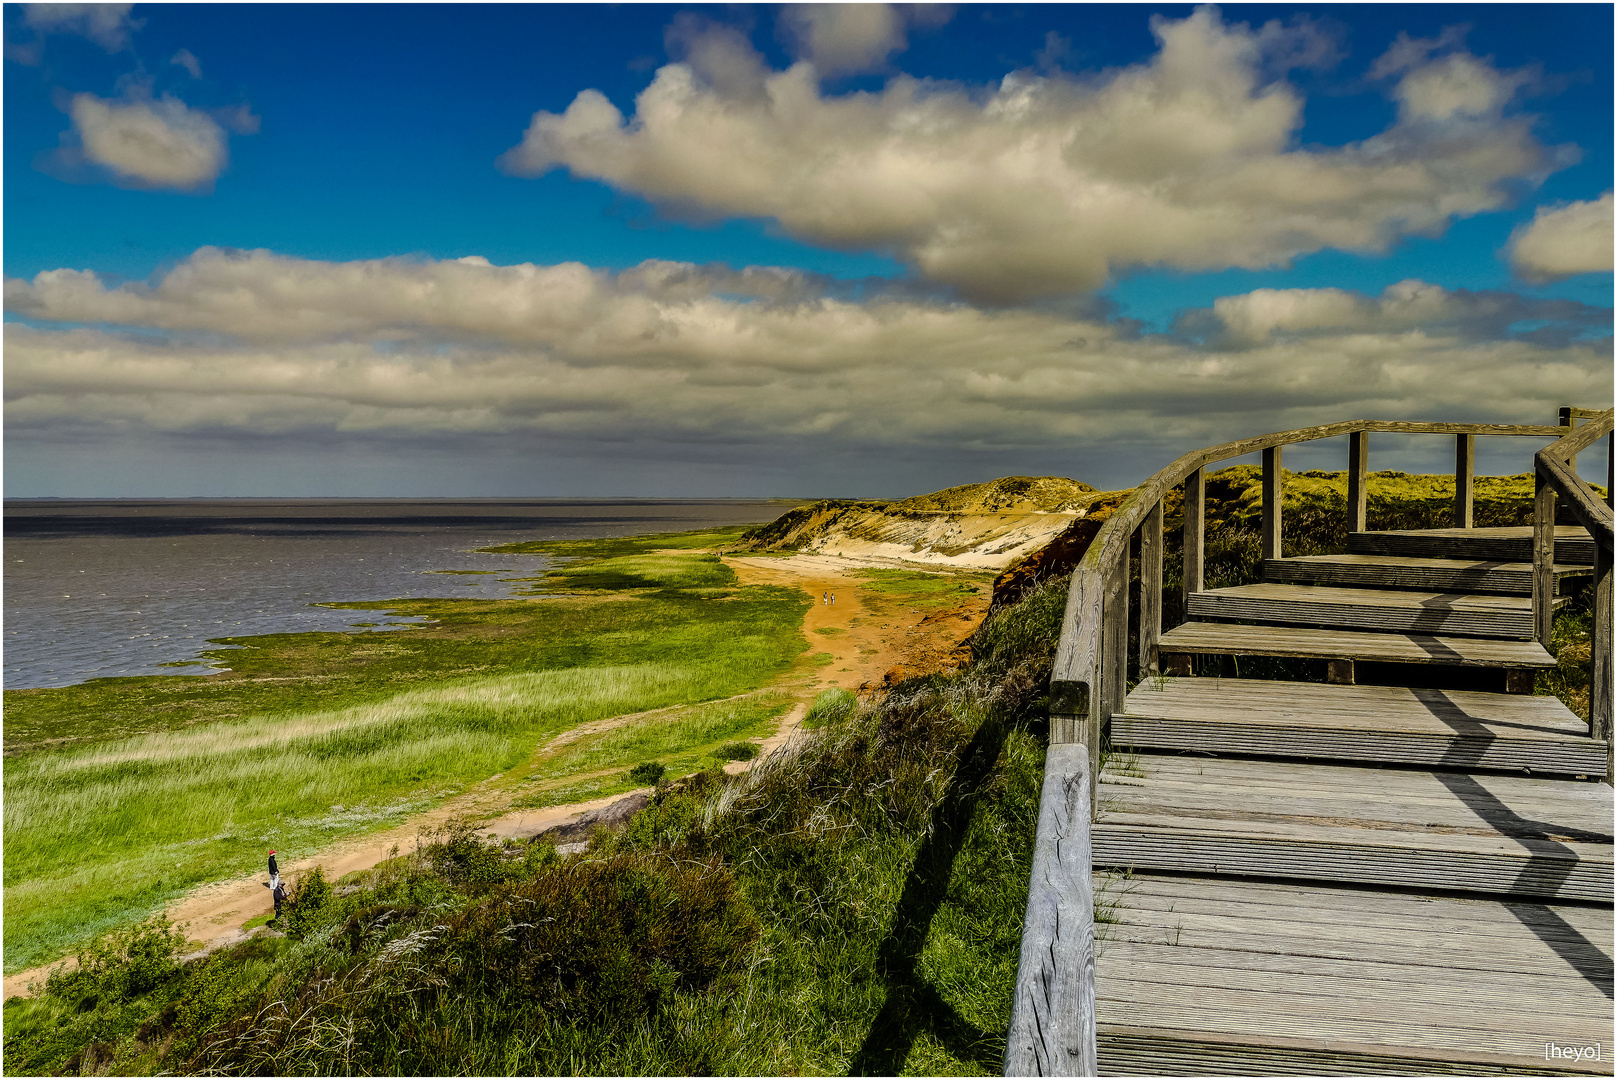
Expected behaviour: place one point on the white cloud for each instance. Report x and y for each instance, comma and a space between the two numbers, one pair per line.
1571, 238
108, 25
843, 39
256, 343
186, 59
159, 143
1049, 184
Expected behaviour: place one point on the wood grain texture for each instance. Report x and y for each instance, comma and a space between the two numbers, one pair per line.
1273, 502
1358, 472
1052, 1031
1400, 611
1580, 497
1502, 544
1195, 509
1450, 729
1225, 639
1465, 462
1150, 590
1198, 976
1410, 572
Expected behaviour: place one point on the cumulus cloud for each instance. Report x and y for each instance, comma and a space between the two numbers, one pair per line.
1566, 239
843, 39
1046, 184
161, 143
108, 25
186, 59
1266, 315
708, 357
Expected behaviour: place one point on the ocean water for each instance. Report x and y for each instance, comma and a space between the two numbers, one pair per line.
104, 587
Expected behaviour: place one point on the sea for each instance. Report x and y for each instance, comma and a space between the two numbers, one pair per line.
110, 587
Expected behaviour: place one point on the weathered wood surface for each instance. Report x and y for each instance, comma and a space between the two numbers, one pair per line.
1150, 589
1465, 463
1194, 536
1371, 609
1358, 474
1199, 976
1502, 544
1453, 729
1052, 1030
1581, 499
1273, 501
1410, 572
1572, 443
1482, 833
1546, 547
1229, 639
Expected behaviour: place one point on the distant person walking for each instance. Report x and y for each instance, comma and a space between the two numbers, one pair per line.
276, 886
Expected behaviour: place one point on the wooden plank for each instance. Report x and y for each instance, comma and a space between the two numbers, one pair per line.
1544, 556
1465, 461
1230, 639
1052, 1030
1504, 543
1581, 499
1273, 500
1358, 473
1150, 590
1411, 572
1399, 611
1195, 505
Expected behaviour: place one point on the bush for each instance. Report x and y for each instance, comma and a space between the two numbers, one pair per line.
647, 772
121, 965
307, 902
737, 751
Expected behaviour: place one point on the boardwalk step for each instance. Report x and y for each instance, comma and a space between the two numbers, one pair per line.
1451, 729
1199, 976
1505, 544
1410, 572
1226, 639
1369, 609
1388, 827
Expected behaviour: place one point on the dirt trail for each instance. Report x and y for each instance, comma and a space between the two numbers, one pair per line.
869, 643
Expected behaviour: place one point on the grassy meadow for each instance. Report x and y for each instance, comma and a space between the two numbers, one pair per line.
122, 794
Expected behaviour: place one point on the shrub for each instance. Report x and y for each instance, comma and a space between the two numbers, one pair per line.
647, 772
737, 751
307, 902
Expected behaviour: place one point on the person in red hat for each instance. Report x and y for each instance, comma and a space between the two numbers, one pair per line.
276, 887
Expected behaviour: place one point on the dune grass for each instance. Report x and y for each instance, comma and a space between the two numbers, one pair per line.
122, 794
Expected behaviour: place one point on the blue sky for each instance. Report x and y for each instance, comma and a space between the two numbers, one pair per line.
1076, 239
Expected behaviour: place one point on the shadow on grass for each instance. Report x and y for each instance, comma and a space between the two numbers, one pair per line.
912, 1004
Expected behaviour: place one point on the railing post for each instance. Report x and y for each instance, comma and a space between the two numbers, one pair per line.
1077, 677
1568, 421
1358, 474
1465, 465
1611, 445
1115, 642
1600, 686
1052, 1030
1543, 557
1271, 503
1150, 589
1195, 533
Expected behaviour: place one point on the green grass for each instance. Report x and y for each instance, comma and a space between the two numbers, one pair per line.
851, 906
122, 794
919, 589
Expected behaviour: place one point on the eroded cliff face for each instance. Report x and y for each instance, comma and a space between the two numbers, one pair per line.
984, 526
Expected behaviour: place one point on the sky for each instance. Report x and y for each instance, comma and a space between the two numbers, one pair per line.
802, 250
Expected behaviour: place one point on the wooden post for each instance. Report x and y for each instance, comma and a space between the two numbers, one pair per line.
1150, 589
1568, 421
1543, 557
1611, 445
1271, 503
1195, 534
1465, 465
1052, 1030
1115, 643
1076, 678
1600, 687
1358, 474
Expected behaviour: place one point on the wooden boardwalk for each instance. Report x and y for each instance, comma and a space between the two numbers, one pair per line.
1413, 877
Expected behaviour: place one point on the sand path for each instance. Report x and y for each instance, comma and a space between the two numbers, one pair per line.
870, 640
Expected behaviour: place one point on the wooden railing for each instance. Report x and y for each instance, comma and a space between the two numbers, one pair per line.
1053, 1015
1556, 477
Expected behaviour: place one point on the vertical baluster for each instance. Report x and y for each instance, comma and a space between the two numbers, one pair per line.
1600, 689
1465, 465
1150, 589
1271, 503
1194, 534
1543, 557
1116, 647
1358, 474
